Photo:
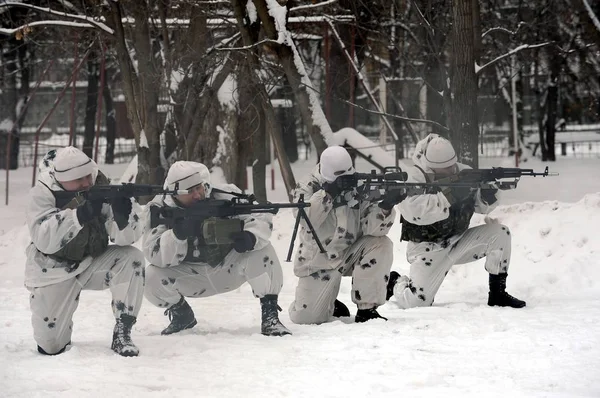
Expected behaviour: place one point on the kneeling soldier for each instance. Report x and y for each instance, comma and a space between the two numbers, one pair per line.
69, 252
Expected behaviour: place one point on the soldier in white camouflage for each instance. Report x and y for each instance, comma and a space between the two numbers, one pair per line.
353, 232
436, 225
185, 262
70, 252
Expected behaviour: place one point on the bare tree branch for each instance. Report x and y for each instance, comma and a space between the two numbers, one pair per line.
510, 53
50, 11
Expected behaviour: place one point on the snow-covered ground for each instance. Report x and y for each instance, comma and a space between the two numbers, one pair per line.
457, 347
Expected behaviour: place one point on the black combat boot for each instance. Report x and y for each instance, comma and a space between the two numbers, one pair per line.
367, 315
271, 326
340, 310
121, 343
390, 285
498, 295
181, 317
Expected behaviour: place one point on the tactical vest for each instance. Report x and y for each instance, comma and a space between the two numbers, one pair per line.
458, 221
459, 218
92, 239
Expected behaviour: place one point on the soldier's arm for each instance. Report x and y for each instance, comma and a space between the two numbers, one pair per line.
160, 245
424, 208
50, 228
261, 226
130, 234
376, 221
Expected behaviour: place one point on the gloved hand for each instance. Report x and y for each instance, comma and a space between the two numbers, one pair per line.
392, 199
332, 189
183, 228
489, 196
341, 184
243, 241
121, 208
88, 210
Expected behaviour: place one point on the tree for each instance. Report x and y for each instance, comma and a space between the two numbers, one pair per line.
463, 83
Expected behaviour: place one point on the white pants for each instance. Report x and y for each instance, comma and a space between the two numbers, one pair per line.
119, 268
260, 268
430, 262
368, 260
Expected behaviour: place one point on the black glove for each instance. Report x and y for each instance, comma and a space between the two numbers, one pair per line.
331, 188
88, 210
392, 199
341, 184
183, 228
243, 241
489, 196
121, 208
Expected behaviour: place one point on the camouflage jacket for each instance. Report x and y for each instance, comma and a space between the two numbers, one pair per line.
56, 249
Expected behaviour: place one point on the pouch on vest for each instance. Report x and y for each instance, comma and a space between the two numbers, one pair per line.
217, 231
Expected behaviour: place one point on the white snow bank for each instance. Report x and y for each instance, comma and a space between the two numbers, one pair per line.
349, 136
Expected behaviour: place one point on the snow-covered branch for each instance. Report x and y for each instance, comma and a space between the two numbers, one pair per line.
11, 32
48, 10
312, 6
593, 16
512, 52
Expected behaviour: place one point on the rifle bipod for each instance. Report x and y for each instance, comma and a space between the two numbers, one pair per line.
302, 215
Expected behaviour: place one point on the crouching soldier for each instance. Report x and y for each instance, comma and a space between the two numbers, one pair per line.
185, 262
436, 226
70, 252
354, 235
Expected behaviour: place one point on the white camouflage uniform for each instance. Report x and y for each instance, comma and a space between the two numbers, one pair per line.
431, 261
169, 276
356, 244
55, 285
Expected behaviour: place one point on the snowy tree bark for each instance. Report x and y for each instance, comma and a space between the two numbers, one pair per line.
463, 84
274, 130
91, 106
111, 124
16, 69
310, 109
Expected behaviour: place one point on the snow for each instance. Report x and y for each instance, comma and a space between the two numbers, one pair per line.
6, 124
228, 94
358, 141
251, 10
143, 139
459, 347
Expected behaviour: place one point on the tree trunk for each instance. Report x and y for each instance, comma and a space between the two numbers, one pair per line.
111, 125
140, 88
463, 84
9, 128
249, 38
310, 108
340, 75
551, 107
259, 165
91, 106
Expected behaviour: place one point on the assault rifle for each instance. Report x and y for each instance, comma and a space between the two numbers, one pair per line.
218, 208
105, 193
394, 182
